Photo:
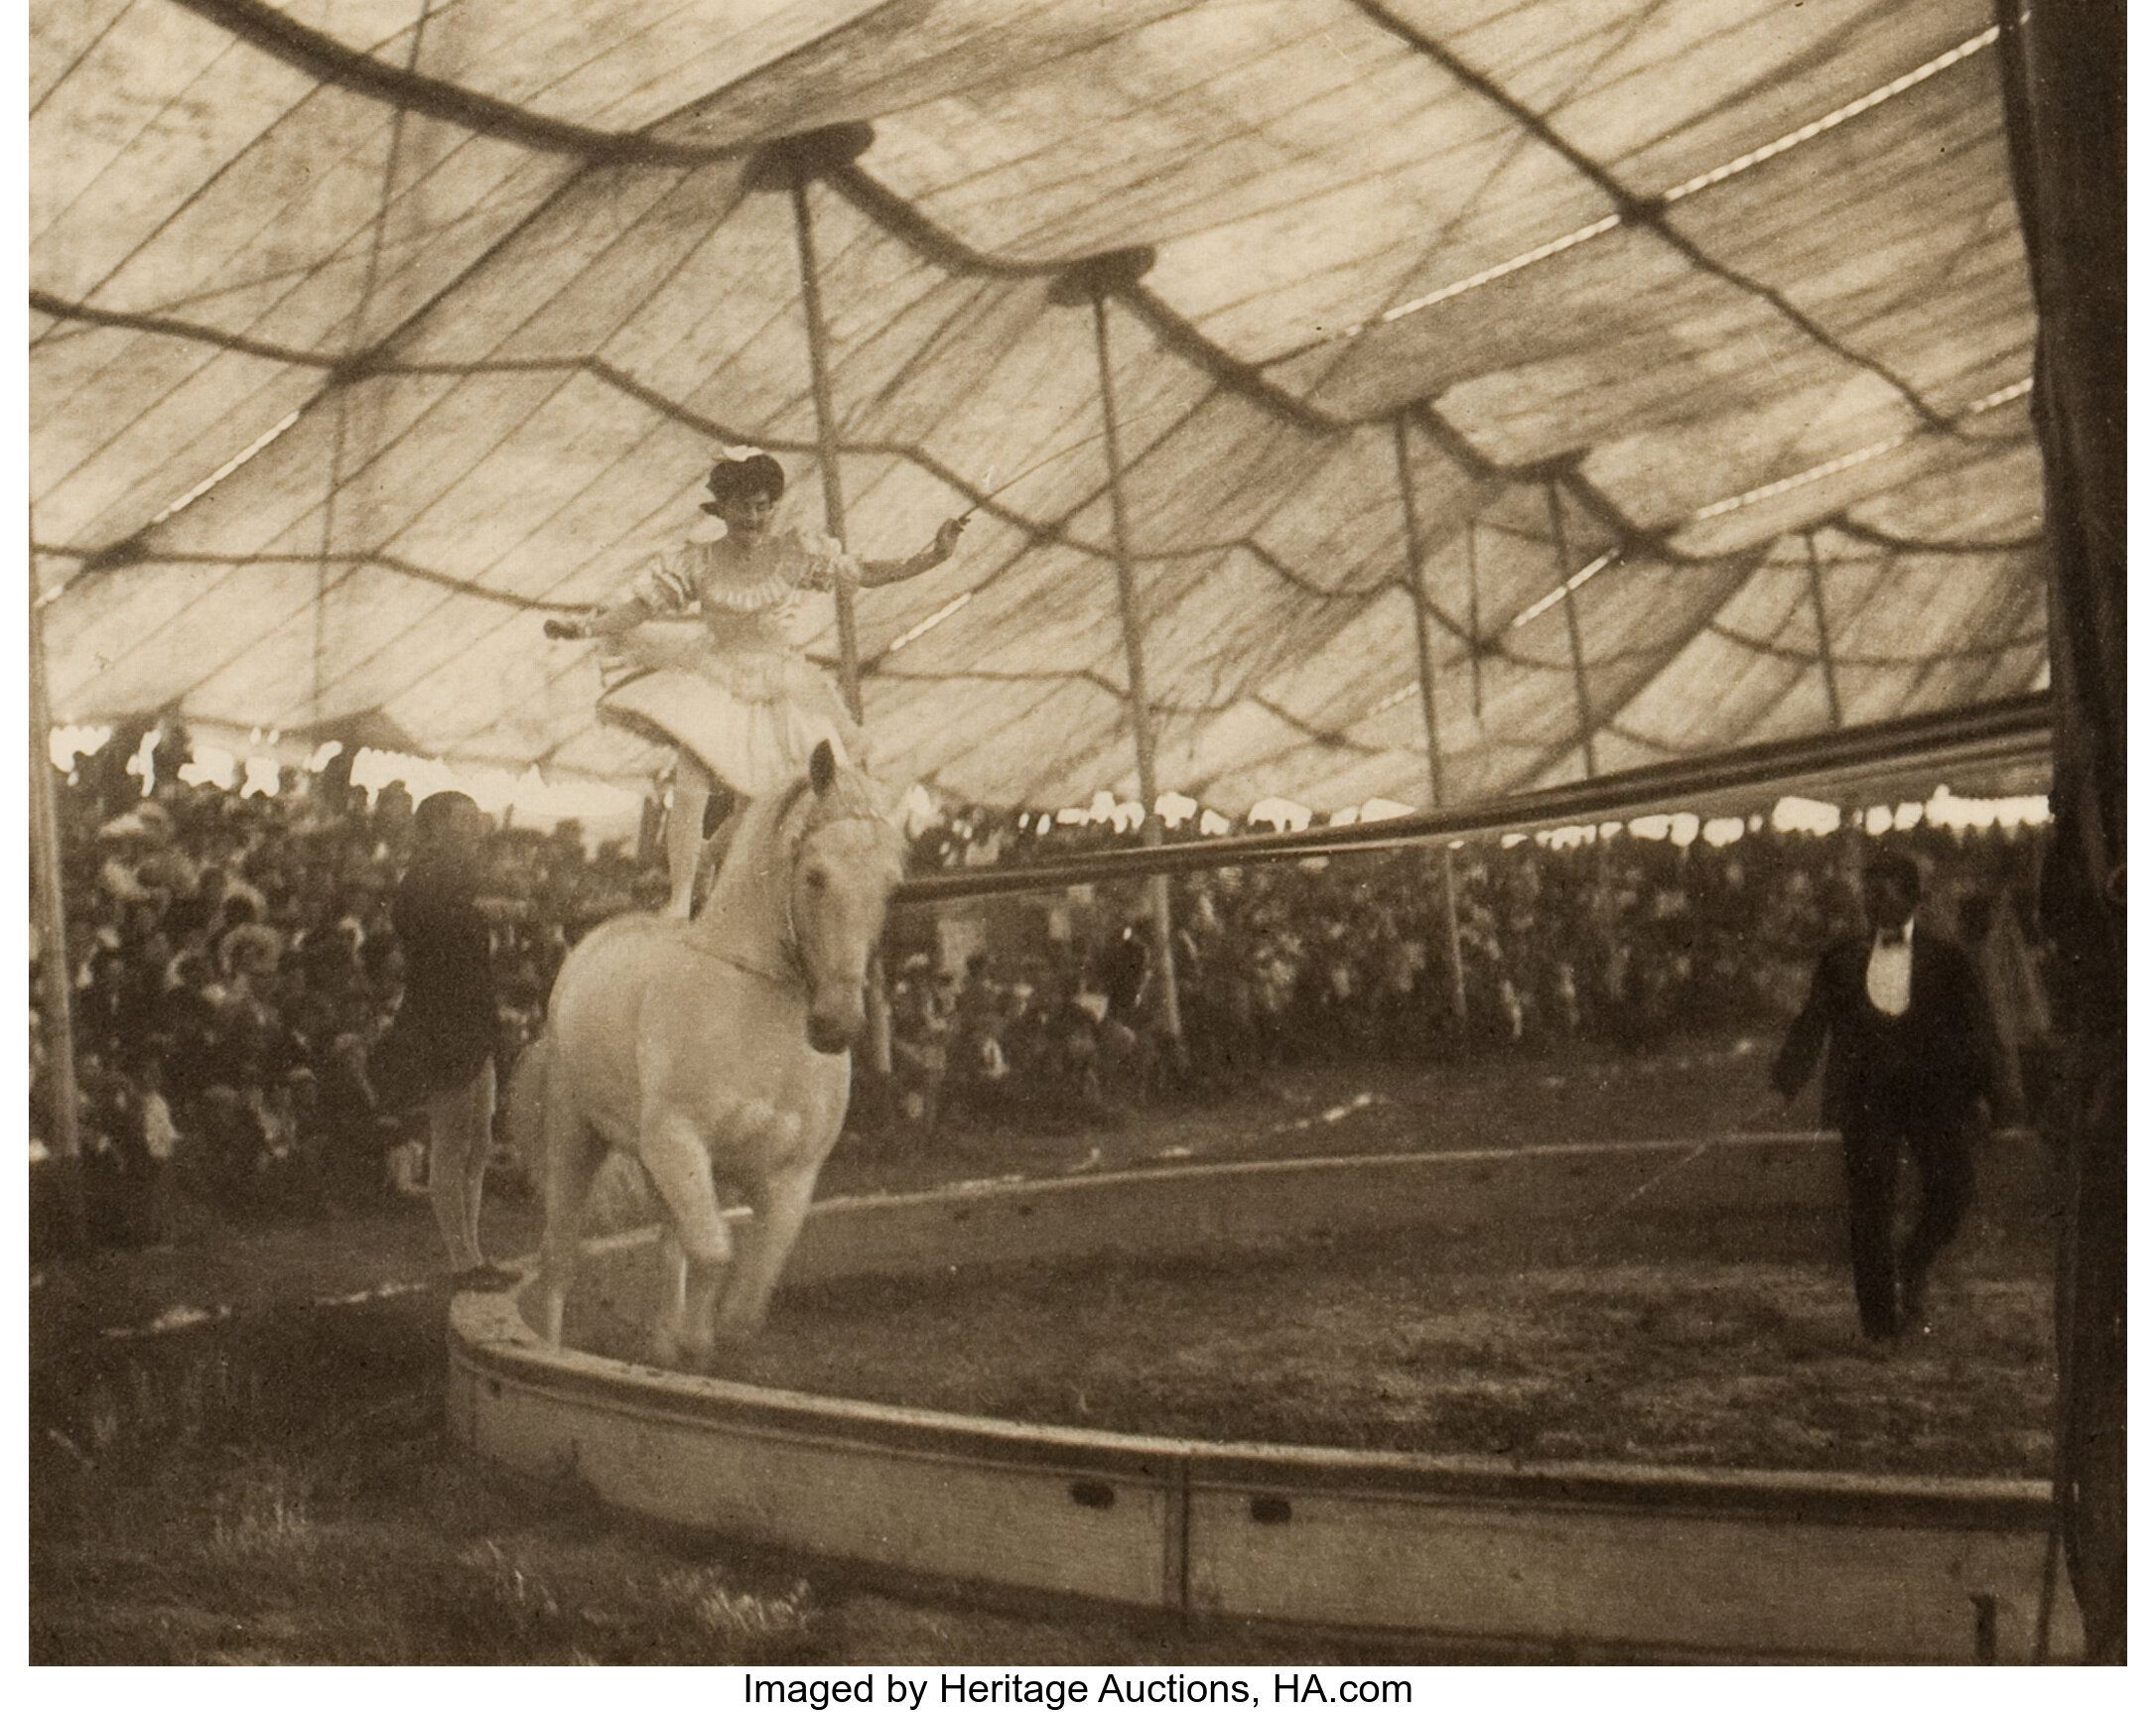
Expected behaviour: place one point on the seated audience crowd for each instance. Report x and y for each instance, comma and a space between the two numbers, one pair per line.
1615, 943
232, 962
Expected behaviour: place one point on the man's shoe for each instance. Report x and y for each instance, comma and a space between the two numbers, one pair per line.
1913, 1319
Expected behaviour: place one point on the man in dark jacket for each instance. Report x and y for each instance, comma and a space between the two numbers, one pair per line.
1908, 1060
439, 1051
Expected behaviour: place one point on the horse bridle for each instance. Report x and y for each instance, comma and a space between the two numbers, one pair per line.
795, 972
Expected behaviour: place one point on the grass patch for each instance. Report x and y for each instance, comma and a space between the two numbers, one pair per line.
284, 1493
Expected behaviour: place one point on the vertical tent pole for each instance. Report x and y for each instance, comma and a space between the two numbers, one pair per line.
2067, 101
1571, 624
1827, 640
827, 430
827, 463
355, 350
1413, 574
1474, 617
1134, 653
55, 971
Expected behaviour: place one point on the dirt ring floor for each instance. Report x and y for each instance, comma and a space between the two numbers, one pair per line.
237, 1454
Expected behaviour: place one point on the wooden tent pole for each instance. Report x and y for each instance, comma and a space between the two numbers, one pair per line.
827, 464
1571, 624
827, 430
1827, 640
1134, 654
1415, 575
54, 972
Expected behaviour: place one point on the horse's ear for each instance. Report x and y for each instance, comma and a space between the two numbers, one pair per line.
822, 767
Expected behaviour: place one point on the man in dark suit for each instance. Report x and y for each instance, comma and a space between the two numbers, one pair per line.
439, 1051
1908, 1061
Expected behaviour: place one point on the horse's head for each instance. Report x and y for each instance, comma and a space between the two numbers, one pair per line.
847, 860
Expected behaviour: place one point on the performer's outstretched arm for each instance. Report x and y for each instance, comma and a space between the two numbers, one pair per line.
606, 622
875, 572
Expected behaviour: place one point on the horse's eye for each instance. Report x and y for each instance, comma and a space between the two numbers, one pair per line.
818, 879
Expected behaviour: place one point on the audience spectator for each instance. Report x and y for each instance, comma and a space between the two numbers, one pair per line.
233, 961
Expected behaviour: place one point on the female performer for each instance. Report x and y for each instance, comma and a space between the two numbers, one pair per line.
733, 695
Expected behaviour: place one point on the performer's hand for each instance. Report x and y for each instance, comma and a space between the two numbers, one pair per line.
947, 536
567, 629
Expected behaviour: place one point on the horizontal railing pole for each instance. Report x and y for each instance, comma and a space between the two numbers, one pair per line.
2015, 730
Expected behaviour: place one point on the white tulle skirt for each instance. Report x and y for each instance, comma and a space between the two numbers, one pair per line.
751, 716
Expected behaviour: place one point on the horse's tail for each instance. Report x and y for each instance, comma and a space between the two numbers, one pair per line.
527, 1106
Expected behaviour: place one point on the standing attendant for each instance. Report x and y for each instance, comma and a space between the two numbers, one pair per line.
439, 1051
733, 695
1902, 1017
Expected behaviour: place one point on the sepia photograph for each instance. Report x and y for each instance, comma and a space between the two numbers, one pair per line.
1038, 851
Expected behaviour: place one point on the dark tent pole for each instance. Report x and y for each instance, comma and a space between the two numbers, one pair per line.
2062, 76
1092, 281
1568, 599
53, 970
1827, 640
1415, 575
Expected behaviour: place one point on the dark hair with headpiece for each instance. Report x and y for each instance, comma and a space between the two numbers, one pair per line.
740, 477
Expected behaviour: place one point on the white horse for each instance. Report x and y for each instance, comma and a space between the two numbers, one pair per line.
716, 1051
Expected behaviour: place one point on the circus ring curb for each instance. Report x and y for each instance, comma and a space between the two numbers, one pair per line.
1609, 1559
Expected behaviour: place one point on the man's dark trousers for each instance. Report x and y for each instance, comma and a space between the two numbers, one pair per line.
1915, 1080
1872, 1138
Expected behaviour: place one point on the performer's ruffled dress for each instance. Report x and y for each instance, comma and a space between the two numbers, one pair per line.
729, 685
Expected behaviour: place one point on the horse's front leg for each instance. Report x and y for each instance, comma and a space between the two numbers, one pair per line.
781, 1205
679, 1164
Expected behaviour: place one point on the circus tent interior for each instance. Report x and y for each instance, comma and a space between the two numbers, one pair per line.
1657, 371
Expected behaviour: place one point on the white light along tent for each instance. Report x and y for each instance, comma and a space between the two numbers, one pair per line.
1693, 334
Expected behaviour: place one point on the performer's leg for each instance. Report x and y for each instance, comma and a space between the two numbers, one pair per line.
685, 833
1947, 1176
721, 821
1871, 1158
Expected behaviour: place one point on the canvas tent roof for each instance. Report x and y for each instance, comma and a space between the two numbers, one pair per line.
362, 333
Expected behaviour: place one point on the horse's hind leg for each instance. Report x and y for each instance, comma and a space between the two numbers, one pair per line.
572, 1156
780, 1207
679, 1165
